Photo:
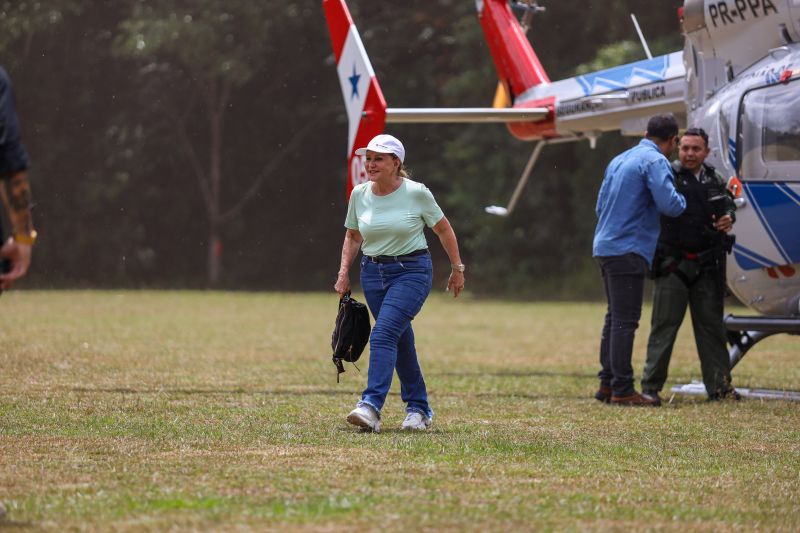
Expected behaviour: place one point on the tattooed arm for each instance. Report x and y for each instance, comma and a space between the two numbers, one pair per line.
15, 192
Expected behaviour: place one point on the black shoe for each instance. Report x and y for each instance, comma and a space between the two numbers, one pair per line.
729, 394
603, 394
653, 395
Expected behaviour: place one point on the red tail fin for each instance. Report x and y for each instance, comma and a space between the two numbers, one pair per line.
514, 58
366, 107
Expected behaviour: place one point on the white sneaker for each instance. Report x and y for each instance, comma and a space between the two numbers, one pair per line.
416, 421
365, 417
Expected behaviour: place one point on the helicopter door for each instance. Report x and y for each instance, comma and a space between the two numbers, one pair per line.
769, 143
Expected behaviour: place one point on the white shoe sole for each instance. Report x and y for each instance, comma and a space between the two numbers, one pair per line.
358, 420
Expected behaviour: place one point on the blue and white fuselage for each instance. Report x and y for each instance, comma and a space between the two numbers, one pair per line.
754, 124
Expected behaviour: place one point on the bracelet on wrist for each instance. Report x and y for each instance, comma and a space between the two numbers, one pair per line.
26, 238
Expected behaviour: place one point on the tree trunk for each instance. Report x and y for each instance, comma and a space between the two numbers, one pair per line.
215, 180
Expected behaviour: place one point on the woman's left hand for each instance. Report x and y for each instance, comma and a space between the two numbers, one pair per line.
448, 237
455, 282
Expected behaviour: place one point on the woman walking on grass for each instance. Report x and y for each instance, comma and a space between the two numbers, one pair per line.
385, 218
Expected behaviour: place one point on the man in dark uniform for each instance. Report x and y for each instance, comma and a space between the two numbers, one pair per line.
689, 269
15, 190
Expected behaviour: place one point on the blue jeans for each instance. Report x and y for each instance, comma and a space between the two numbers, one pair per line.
395, 293
623, 280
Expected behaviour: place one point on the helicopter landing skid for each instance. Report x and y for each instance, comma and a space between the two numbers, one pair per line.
743, 334
696, 388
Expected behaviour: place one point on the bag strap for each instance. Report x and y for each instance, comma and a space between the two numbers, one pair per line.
339, 368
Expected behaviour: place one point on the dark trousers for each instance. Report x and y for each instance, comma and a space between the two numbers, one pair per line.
705, 300
623, 280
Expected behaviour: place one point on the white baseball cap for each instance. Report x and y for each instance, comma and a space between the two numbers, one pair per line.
384, 144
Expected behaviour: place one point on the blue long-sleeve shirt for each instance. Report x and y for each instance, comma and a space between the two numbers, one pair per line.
637, 187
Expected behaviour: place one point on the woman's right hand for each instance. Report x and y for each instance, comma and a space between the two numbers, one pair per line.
342, 283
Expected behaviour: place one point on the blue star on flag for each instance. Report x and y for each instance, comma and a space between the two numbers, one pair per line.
354, 82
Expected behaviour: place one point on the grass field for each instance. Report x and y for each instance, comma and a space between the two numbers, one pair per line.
149, 411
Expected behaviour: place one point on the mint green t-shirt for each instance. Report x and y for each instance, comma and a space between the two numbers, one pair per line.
392, 224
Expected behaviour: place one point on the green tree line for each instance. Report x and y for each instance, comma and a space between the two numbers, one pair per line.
201, 143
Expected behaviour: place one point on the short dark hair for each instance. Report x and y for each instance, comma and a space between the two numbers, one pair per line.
662, 127
697, 132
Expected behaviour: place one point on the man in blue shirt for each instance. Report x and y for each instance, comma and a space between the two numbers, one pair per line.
636, 189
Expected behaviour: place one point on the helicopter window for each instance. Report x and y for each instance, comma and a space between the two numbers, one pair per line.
771, 133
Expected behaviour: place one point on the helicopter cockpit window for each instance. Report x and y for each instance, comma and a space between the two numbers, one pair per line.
771, 133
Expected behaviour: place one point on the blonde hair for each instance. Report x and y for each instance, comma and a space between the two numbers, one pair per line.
403, 172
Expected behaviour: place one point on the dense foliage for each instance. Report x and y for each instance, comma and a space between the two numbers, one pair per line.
177, 137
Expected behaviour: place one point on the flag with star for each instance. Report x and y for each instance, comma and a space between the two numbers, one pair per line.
366, 106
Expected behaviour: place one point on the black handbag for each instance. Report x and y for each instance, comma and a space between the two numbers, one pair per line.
351, 332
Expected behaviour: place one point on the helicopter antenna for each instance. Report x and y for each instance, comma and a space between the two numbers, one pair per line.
641, 37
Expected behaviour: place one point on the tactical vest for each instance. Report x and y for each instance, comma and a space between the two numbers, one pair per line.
693, 230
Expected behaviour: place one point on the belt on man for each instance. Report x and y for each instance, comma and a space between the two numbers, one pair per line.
411, 256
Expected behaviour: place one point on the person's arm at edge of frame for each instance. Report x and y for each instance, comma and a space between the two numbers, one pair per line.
15, 192
447, 237
660, 182
352, 243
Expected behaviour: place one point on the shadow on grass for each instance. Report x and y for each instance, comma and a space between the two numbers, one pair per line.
516, 374
211, 392
336, 391
319, 391
347, 390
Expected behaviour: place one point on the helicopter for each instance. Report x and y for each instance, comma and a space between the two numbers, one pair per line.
738, 78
